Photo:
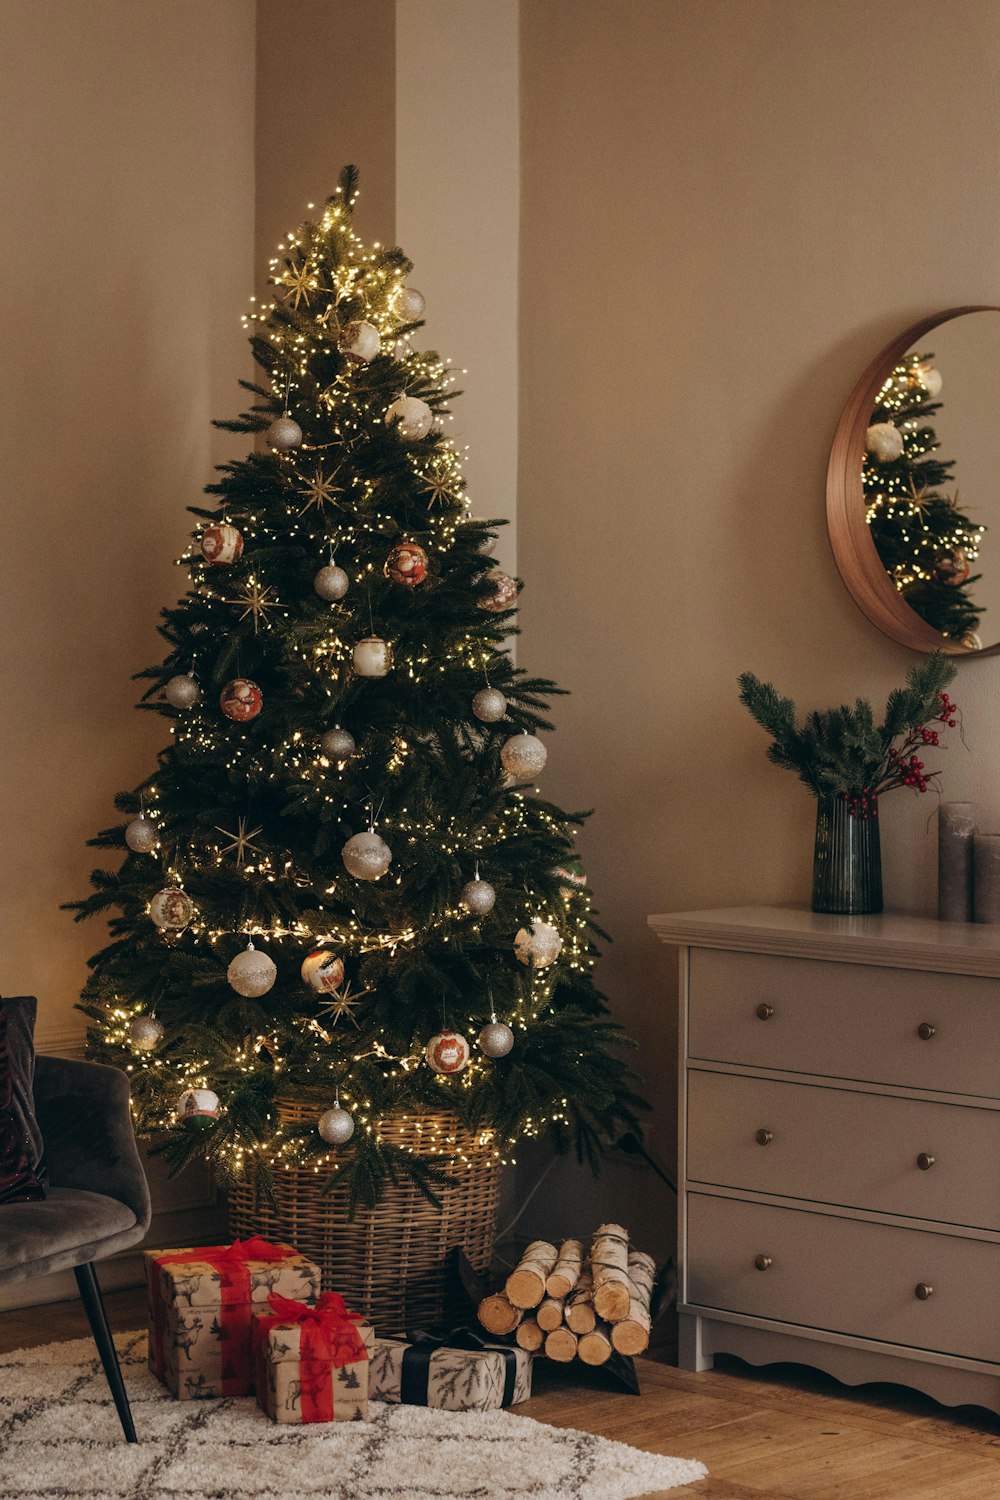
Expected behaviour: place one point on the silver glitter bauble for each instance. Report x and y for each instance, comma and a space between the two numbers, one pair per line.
251, 973
408, 304
331, 583
539, 945
366, 856
360, 341
412, 416
496, 1039
144, 1032
336, 1126
182, 692
478, 897
337, 743
523, 756
504, 595
171, 909
489, 705
283, 433
141, 835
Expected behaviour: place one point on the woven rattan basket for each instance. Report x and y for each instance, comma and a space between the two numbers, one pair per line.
390, 1262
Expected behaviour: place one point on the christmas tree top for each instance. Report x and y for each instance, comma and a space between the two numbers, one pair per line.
341, 870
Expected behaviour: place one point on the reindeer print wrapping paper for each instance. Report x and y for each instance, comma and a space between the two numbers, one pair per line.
200, 1305
456, 1379
293, 1389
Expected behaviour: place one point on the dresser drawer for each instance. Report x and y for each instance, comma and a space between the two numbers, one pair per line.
846, 1021
844, 1275
834, 1146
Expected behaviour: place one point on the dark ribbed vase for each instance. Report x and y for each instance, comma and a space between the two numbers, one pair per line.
847, 866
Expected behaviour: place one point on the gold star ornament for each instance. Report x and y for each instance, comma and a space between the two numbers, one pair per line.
256, 602
299, 282
342, 1003
322, 489
242, 842
438, 484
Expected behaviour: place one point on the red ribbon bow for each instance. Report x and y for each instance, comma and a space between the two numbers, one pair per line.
230, 1261
329, 1339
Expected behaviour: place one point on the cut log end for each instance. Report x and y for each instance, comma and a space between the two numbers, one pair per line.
525, 1288
561, 1345
629, 1337
581, 1317
612, 1301
498, 1315
550, 1313
594, 1348
529, 1336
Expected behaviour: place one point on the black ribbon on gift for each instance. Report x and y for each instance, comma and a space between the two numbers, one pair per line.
416, 1367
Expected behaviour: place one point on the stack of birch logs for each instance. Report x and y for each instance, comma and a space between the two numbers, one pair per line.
571, 1305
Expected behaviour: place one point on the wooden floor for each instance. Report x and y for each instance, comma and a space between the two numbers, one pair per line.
789, 1435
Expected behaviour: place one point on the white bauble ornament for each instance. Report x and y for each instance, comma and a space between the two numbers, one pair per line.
337, 743
413, 416
504, 595
182, 692
359, 341
323, 971
141, 835
366, 856
523, 756
489, 705
144, 1032
283, 433
331, 583
221, 545
372, 657
496, 1039
408, 304
251, 973
171, 909
197, 1108
884, 442
931, 380
478, 897
540, 944
447, 1052
336, 1126
971, 641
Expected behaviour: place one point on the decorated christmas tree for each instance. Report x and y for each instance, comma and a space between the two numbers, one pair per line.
340, 885
922, 535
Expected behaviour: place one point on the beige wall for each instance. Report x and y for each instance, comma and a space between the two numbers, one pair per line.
727, 207
325, 97
127, 186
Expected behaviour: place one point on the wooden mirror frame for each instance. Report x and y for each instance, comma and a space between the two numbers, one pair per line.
850, 537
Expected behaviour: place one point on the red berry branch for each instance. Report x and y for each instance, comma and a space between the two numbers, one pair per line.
904, 768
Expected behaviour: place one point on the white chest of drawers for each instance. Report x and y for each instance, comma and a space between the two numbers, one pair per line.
840, 1146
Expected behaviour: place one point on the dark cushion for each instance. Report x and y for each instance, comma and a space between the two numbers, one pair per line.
20, 1138
70, 1227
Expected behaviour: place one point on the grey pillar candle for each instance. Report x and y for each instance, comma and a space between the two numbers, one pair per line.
986, 877
956, 826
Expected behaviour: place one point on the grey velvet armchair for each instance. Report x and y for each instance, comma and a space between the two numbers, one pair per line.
97, 1200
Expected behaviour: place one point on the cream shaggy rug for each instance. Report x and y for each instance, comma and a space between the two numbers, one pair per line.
60, 1439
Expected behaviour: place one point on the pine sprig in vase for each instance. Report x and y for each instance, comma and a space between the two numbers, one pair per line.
848, 761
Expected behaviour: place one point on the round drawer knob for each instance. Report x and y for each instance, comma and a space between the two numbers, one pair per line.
925, 1162
922, 1291
764, 1012
763, 1261
764, 1137
925, 1031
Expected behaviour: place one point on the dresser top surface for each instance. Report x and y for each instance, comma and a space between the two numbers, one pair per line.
795, 931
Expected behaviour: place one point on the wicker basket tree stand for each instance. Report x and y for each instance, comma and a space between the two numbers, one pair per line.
390, 1262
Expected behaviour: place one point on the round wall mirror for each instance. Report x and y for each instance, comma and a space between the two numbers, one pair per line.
913, 487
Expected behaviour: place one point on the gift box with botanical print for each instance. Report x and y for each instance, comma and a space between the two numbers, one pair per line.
460, 1371
200, 1304
311, 1362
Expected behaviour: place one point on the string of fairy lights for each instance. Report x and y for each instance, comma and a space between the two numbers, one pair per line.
323, 501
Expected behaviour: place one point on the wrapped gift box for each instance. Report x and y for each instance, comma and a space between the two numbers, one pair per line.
200, 1305
459, 1372
311, 1363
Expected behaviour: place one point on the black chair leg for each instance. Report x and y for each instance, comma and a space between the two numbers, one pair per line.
90, 1295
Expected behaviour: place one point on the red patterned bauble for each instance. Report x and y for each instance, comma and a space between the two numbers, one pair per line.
323, 970
504, 595
447, 1053
951, 567
406, 564
241, 700
221, 545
